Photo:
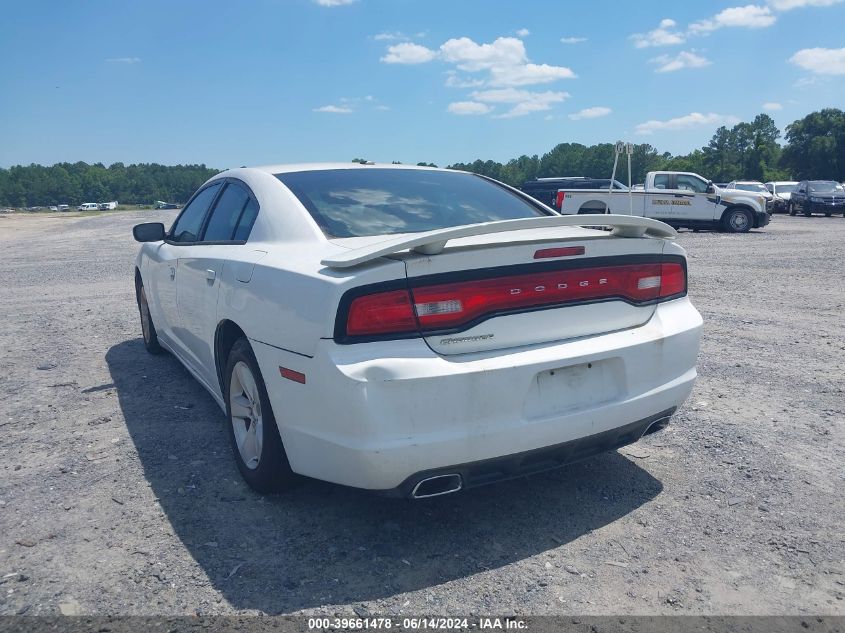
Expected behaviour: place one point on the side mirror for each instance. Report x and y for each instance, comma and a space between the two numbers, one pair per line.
711, 188
149, 232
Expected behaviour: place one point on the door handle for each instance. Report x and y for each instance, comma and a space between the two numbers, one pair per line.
172, 273
210, 275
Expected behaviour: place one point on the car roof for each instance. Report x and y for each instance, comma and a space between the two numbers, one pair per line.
294, 167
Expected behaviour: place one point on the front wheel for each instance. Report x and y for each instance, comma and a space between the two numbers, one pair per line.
737, 221
253, 433
791, 209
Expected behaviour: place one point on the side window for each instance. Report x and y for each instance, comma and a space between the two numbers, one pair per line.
224, 218
691, 183
188, 224
246, 221
661, 181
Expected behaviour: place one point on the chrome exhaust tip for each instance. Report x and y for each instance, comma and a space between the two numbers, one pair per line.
657, 425
437, 485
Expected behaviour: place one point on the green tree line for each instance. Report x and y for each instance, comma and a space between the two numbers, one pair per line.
814, 149
75, 183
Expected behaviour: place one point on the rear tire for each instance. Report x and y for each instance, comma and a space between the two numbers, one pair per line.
253, 434
148, 330
737, 220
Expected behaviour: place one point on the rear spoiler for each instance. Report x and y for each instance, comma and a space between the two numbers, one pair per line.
433, 242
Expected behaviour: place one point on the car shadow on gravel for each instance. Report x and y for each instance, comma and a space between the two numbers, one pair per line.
324, 544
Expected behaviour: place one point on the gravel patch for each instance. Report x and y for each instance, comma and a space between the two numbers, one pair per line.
119, 495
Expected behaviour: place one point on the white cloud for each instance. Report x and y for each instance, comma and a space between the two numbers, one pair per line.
664, 35
684, 59
333, 109
750, 16
453, 80
772, 106
407, 53
504, 59
573, 40
524, 101
388, 36
523, 32
469, 107
694, 119
590, 113
333, 3
524, 108
383, 108
124, 60
787, 5
528, 74
503, 65
821, 61
472, 57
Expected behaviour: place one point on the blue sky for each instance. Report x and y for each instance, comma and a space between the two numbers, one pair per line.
266, 81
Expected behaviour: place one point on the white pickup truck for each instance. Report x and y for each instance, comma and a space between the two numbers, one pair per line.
680, 199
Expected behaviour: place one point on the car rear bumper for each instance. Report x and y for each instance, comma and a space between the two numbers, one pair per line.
498, 469
378, 415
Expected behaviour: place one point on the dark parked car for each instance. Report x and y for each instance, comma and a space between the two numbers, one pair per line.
817, 196
545, 189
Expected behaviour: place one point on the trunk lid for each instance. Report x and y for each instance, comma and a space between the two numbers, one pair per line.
518, 266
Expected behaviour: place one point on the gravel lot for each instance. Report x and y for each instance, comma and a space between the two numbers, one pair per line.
119, 495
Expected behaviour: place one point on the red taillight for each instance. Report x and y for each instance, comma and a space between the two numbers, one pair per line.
451, 305
561, 196
381, 313
673, 279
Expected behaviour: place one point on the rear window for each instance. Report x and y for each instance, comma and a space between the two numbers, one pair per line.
361, 202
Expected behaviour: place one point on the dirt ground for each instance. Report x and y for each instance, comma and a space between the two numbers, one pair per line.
119, 495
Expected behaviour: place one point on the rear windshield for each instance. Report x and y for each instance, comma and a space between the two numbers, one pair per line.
361, 202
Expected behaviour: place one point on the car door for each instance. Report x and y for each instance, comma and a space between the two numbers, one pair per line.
693, 197
163, 273
799, 198
223, 237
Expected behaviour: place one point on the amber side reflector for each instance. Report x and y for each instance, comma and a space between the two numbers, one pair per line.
566, 251
292, 375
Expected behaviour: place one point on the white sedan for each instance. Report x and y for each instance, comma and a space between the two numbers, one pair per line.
415, 331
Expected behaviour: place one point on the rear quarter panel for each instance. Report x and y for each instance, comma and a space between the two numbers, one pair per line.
291, 299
